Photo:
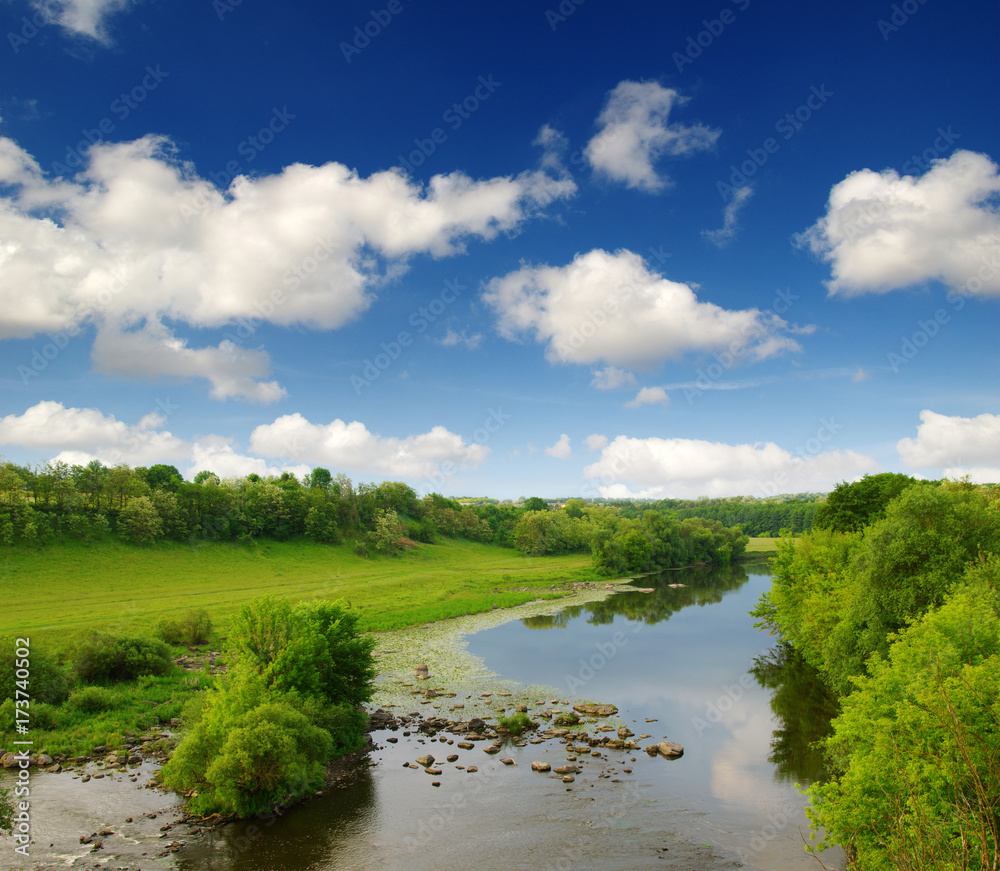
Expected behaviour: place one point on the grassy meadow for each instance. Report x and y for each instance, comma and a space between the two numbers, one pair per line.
65, 590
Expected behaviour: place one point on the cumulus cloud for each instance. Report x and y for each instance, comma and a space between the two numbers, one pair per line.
153, 352
883, 231
595, 441
959, 445
649, 396
352, 445
86, 17
687, 468
634, 133
84, 434
613, 309
561, 450
724, 235
611, 378
138, 237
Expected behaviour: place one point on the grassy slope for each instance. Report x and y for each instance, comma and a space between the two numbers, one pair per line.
69, 588
763, 545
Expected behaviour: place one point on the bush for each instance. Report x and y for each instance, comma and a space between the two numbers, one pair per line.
108, 658
93, 700
44, 717
195, 627
48, 681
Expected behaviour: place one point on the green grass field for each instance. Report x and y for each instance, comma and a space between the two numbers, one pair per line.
763, 545
63, 590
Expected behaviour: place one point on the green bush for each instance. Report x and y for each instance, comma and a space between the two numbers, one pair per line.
47, 682
109, 658
44, 717
93, 700
195, 627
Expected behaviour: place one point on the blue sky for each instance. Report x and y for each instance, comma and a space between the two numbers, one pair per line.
533, 248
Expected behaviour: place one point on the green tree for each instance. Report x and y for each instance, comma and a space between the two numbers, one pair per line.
917, 744
140, 522
851, 507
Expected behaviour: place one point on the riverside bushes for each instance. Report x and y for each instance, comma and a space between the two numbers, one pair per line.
289, 704
902, 619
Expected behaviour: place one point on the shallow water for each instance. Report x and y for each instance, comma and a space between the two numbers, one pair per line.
680, 656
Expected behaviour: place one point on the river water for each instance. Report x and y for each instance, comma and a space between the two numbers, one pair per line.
679, 663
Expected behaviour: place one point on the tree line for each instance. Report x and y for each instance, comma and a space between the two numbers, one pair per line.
144, 505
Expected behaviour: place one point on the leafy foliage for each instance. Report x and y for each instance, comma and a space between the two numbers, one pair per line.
195, 627
918, 742
290, 703
104, 657
49, 681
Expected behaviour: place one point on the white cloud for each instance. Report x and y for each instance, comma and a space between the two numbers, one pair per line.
352, 446
688, 468
724, 235
611, 378
613, 308
452, 338
219, 455
860, 375
139, 237
83, 434
561, 450
595, 442
153, 351
883, 231
953, 443
649, 396
87, 17
975, 474
635, 133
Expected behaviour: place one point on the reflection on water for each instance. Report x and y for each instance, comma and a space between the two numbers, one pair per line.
804, 706
334, 825
673, 591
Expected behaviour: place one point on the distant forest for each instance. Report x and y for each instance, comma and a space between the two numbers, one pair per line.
143, 505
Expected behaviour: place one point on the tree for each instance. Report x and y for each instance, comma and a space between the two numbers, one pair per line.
387, 535
916, 744
206, 477
851, 507
536, 503
162, 477
320, 479
140, 522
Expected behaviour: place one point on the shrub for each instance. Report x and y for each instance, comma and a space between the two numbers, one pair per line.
195, 627
44, 717
109, 658
48, 681
93, 700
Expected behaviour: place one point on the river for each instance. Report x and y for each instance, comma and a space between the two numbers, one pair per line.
683, 662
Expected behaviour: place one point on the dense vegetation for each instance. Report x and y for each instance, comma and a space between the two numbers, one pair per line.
896, 603
145, 505
771, 516
289, 703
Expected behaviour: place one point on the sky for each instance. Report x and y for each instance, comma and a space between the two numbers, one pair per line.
542, 248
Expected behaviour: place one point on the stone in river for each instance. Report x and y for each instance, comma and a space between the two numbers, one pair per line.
540, 766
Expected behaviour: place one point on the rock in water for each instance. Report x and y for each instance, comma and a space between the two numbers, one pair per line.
670, 749
540, 766
595, 710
